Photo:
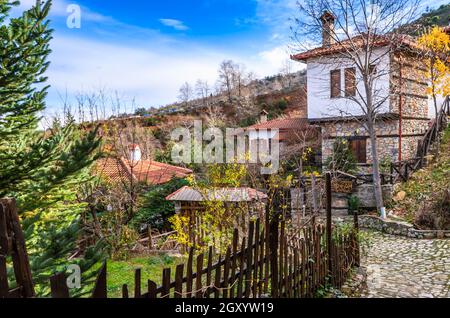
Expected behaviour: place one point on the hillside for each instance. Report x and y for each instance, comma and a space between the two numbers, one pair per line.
439, 17
425, 199
257, 89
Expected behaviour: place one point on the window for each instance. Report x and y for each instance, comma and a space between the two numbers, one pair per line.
350, 82
335, 83
358, 147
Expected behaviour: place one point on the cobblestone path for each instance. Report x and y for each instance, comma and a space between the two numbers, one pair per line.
407, 268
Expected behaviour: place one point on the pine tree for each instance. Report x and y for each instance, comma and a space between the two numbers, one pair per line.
41, 169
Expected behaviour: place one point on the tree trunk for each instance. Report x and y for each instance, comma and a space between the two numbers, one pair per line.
371, 117
375, 167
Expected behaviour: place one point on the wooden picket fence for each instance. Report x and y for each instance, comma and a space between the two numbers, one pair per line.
12, 245
276, 259
283, 264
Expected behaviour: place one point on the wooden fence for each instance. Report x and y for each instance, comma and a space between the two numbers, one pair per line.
12, 245
276, 259
283, 264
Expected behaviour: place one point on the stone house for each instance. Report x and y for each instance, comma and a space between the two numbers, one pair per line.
404, 114
289, 132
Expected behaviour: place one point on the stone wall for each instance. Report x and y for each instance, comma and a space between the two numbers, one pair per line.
387, 146
387, 138
366, 195
398, 228
414, 88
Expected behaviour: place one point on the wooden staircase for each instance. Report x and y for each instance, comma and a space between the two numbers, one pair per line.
402, 170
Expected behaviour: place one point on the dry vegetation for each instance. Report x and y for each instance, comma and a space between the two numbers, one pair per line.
425, 199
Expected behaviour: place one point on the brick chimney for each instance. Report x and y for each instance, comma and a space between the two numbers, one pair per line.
263, 116
328, 25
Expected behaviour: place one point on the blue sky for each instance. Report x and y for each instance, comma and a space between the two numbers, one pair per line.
147, 49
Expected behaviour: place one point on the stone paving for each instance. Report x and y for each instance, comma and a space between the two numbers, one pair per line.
399, 267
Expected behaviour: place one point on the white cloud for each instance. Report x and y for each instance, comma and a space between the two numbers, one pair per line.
138, 62
176, 24
274, 58
151, 75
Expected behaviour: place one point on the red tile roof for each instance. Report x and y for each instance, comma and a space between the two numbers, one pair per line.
289, 128
358, 41
282, 123
145, 171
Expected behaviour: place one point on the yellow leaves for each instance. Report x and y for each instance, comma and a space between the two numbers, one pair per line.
313, 173
437, 44
230, 175
180, 224
435, 40
289, 179
191, 180
308, 151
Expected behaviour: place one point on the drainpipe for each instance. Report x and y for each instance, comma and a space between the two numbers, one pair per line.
400, 110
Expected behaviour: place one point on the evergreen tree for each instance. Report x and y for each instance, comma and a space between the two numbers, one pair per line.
41, 169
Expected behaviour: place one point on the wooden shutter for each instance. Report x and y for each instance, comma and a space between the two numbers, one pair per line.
350, 82
335, 83
359, 150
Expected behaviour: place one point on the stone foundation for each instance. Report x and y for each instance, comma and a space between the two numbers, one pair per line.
387, 139
366, 195
399, 228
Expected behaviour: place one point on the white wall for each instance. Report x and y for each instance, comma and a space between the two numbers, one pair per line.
262, 134
321, 105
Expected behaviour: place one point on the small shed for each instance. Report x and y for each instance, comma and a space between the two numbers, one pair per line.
188, 198
248, 202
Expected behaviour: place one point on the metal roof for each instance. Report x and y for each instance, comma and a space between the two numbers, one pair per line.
189, 194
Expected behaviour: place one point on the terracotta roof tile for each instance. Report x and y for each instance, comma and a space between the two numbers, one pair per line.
146, 171
289, 128
282, 123
358, 41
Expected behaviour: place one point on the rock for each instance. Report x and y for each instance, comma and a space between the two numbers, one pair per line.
400, 196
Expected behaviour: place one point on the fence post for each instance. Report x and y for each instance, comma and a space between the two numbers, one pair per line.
273, 243
329, 220
150, 239
18, 252
356, 240
100, 289
406, 172
58, 286
392, 173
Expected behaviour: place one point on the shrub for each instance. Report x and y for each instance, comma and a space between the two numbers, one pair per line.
353, 205
155, 209
342, 158
435, 212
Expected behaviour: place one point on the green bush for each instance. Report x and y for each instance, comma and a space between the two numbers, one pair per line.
155, 209
342, 159
354, 205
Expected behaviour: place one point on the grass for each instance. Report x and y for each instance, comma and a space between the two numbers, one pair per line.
426, 182
122, 272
